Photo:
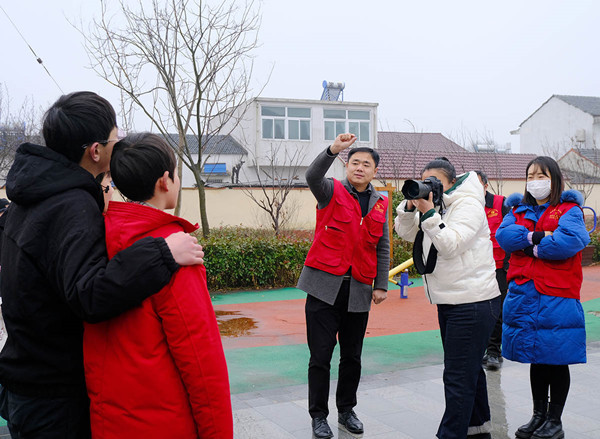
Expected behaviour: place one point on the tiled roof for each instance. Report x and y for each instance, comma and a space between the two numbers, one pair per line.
217, 144
579, 177
589, 104
402, 164
592, 154
416, 141
404, 159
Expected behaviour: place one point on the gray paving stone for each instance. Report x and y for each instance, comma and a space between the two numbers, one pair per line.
408, 404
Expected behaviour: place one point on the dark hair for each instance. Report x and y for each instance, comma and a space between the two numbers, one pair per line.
371, 151
444, 165
77, 119
483, 176
138, 161
551, 169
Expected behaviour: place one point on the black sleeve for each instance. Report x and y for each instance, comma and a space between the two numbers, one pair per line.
529, 251
536, 237
97, 289
321, 187
505, 208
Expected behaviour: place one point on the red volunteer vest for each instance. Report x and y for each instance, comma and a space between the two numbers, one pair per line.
344, 239
494, 217
560, 278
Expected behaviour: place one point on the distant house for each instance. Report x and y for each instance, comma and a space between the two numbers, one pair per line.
221, 157
560, 124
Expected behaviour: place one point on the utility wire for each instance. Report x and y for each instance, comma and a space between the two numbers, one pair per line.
38, 59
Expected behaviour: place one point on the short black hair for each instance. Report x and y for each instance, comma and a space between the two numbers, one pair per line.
77, 119
138, 161
557, 183
371, 151
444, 165
483, 176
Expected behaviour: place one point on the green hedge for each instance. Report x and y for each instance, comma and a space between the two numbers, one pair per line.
595, 237
239, 258
248, 258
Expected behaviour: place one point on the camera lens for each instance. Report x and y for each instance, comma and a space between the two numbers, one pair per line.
413, 190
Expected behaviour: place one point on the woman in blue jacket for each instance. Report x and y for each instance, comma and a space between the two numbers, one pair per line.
543, 319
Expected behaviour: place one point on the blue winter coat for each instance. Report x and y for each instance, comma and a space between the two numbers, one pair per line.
538, 328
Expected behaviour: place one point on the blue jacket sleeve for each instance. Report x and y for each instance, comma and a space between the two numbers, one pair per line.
568, 239
511, 236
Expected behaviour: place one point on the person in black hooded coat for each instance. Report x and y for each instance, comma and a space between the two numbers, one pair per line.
55, 271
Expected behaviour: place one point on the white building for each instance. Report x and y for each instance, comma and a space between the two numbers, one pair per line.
283, 136
561, 123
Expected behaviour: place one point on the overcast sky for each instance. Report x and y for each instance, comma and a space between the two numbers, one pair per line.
434, 66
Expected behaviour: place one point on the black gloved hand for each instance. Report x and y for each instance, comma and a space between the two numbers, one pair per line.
529, 251
536, 237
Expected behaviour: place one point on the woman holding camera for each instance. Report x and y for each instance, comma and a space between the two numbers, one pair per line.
544, 324
461, 282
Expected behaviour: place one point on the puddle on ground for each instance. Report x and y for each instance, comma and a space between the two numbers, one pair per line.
231, 326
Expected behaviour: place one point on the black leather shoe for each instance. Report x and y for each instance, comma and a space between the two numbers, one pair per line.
493, 362
552, 428
350, 422
540, 408
321, 429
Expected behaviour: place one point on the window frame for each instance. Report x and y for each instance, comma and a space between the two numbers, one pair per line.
347, 121
286, 123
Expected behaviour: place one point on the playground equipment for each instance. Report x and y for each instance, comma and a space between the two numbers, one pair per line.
595, 219
404, 282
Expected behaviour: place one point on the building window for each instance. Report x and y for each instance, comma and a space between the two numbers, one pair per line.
359, 124
291, 123
215, 168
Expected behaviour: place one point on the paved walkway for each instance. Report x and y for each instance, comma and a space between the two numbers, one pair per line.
409, 404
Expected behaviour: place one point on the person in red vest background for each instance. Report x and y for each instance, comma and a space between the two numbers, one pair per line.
346, 268
495, 210
544, 324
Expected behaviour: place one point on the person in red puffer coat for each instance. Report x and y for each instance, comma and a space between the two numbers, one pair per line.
158, 370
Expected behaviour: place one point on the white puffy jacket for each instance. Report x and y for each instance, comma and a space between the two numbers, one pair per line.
465, 271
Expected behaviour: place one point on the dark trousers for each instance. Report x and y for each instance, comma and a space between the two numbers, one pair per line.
45, 418
323, 323
494, 347
465, 331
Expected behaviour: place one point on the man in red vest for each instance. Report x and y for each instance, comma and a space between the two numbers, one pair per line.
495, 210
346, 268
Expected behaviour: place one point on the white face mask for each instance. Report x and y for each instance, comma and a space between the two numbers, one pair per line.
539, 189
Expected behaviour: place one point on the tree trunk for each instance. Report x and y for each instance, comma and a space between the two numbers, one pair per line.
202, 203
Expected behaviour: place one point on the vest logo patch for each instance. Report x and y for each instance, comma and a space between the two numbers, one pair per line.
556, 214
378, 207
492, 213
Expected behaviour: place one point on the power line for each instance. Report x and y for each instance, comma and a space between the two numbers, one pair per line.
38, 59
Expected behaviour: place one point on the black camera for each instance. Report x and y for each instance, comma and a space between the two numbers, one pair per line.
414, 189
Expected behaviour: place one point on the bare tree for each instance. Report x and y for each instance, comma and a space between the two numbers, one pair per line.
186, 64
276, 179
483, 149
17, 125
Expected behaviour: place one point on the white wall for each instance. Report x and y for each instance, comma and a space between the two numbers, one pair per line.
550, 130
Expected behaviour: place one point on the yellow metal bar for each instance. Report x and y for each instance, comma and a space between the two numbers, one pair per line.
403, 266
